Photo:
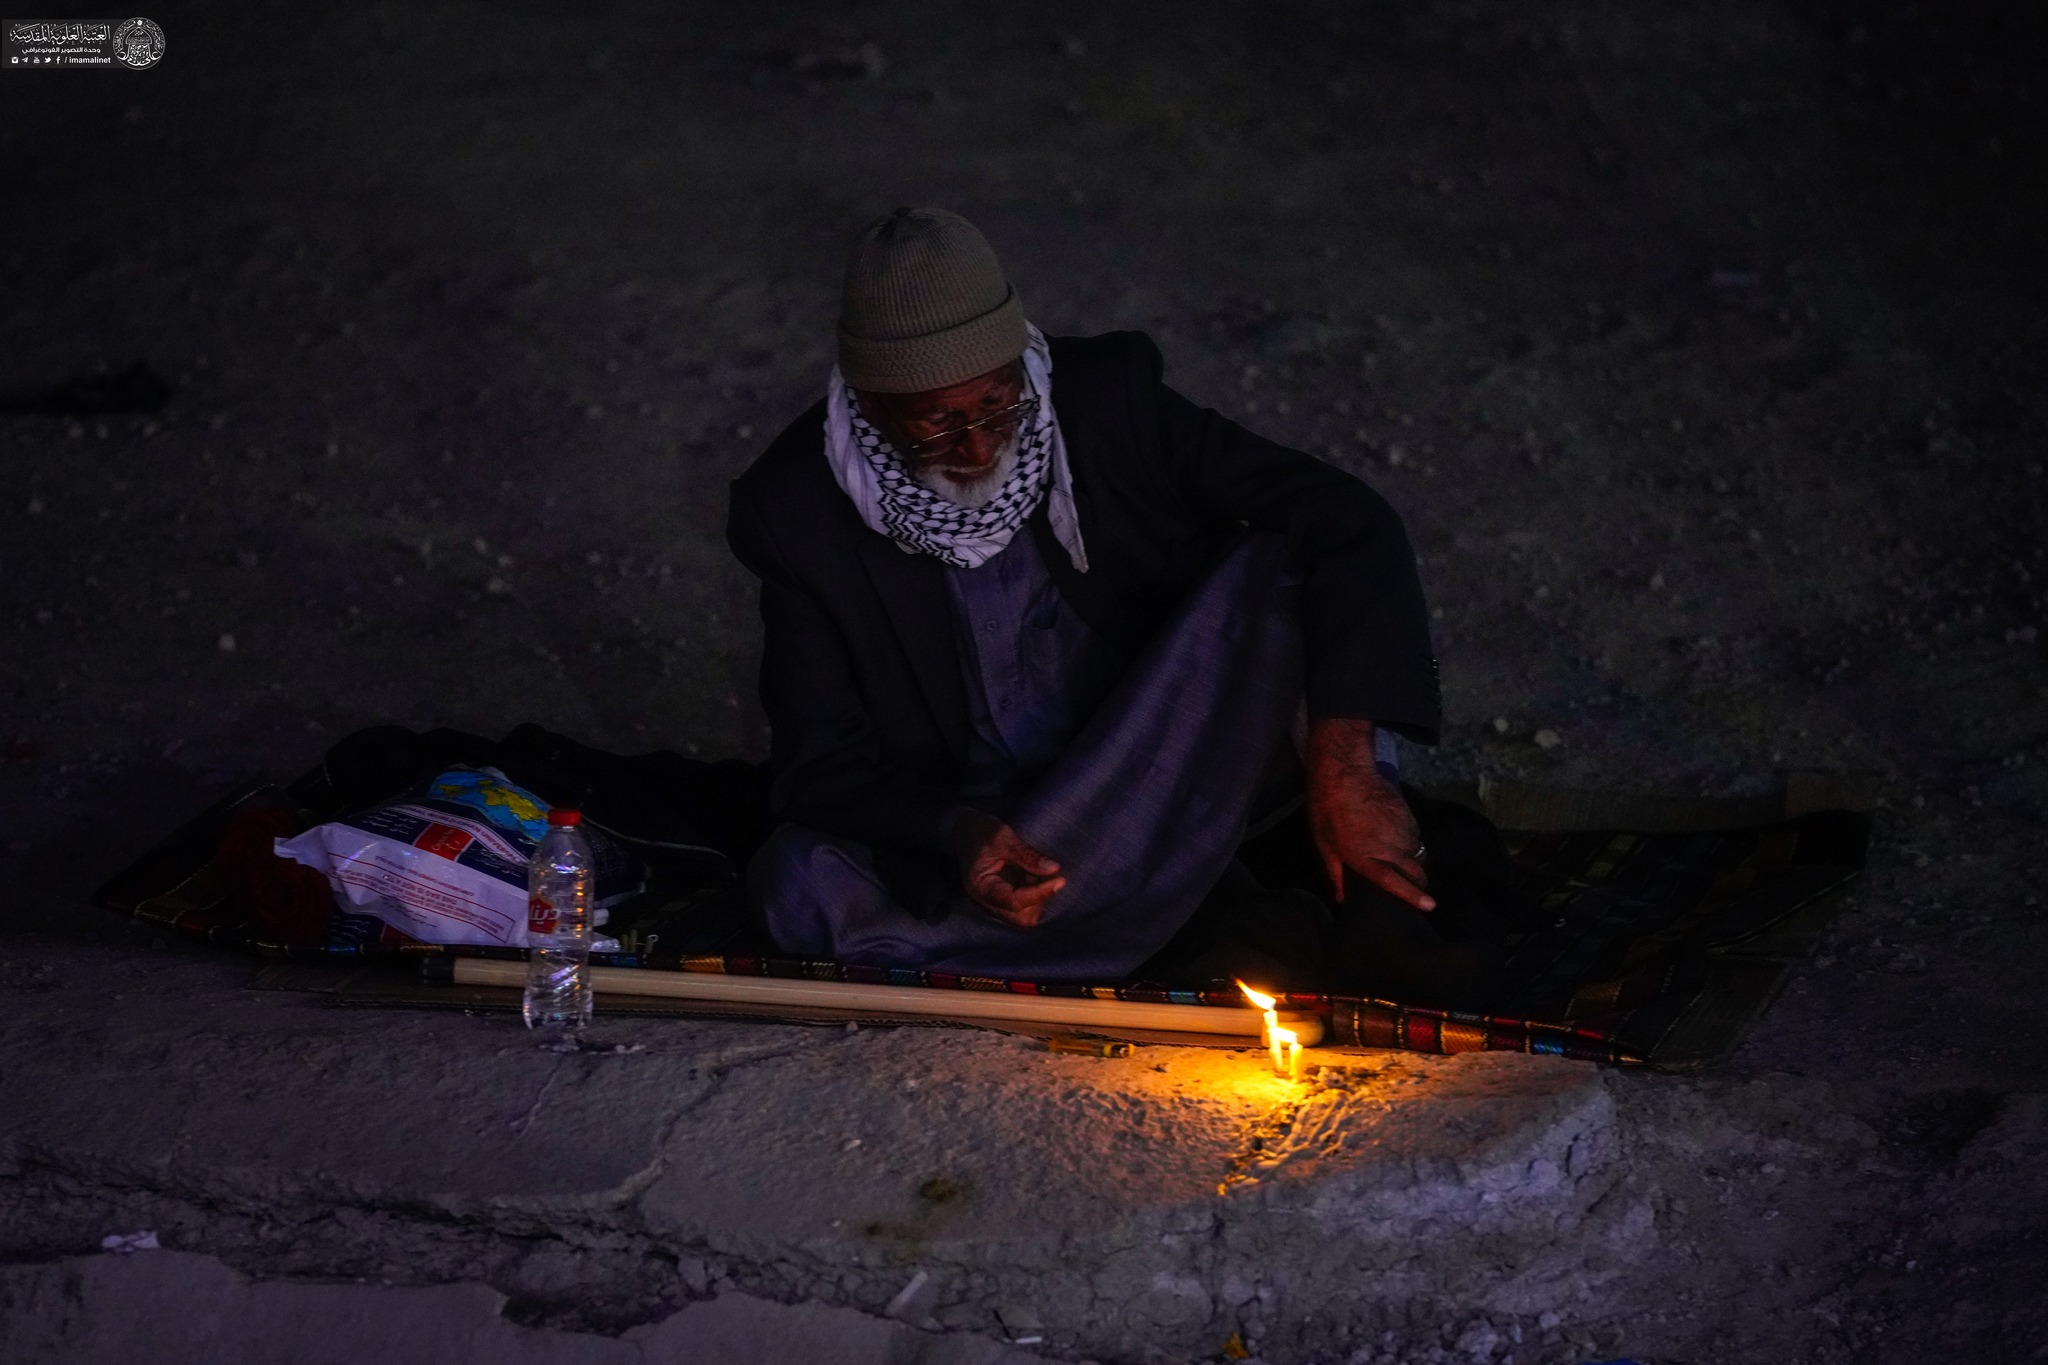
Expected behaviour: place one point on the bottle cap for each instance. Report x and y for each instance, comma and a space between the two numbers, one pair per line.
562, 815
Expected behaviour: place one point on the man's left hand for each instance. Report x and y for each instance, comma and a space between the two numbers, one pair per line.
1358, 817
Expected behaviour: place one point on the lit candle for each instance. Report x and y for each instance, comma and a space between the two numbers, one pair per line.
1286, 1049
1283, 1043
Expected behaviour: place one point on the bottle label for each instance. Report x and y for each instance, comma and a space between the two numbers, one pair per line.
540, 915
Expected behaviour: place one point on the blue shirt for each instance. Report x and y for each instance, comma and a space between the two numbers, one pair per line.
1034, 670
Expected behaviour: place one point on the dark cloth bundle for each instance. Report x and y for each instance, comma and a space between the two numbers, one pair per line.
693, 823
695, 817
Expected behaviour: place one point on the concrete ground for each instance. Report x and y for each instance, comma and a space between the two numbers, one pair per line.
1699, 347
178, 1306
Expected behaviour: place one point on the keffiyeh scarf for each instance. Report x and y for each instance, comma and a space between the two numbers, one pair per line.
893, 503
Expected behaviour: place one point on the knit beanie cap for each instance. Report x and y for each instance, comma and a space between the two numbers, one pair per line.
926, 305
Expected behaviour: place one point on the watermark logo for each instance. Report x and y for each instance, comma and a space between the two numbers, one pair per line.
137, 44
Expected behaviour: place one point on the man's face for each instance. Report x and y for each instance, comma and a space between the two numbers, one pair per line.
911, 421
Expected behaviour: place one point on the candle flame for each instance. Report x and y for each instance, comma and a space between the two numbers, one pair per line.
1283, 1043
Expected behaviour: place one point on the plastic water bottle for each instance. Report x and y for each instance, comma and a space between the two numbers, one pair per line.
560, 886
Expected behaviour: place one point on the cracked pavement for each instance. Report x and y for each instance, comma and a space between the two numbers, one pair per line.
1113, 1196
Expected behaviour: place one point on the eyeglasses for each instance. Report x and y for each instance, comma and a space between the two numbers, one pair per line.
1011, 415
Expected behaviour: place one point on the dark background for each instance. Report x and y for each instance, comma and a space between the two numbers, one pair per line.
1701, 345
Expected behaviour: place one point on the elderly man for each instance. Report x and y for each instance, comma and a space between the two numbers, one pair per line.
1038, 631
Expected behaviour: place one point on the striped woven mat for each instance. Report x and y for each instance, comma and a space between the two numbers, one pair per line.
1663, 948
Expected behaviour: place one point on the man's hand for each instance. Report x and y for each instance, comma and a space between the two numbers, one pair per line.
1004, 875
1358, 818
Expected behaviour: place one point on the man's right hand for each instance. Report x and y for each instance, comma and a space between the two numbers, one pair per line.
1002, 874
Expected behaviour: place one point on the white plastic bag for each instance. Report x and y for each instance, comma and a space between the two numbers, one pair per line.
448, 863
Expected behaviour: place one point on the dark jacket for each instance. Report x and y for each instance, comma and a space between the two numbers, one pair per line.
861, 680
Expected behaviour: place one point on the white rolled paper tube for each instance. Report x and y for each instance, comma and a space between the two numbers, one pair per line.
921, 1001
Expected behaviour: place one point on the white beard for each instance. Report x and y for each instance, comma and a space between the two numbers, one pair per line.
976, 494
